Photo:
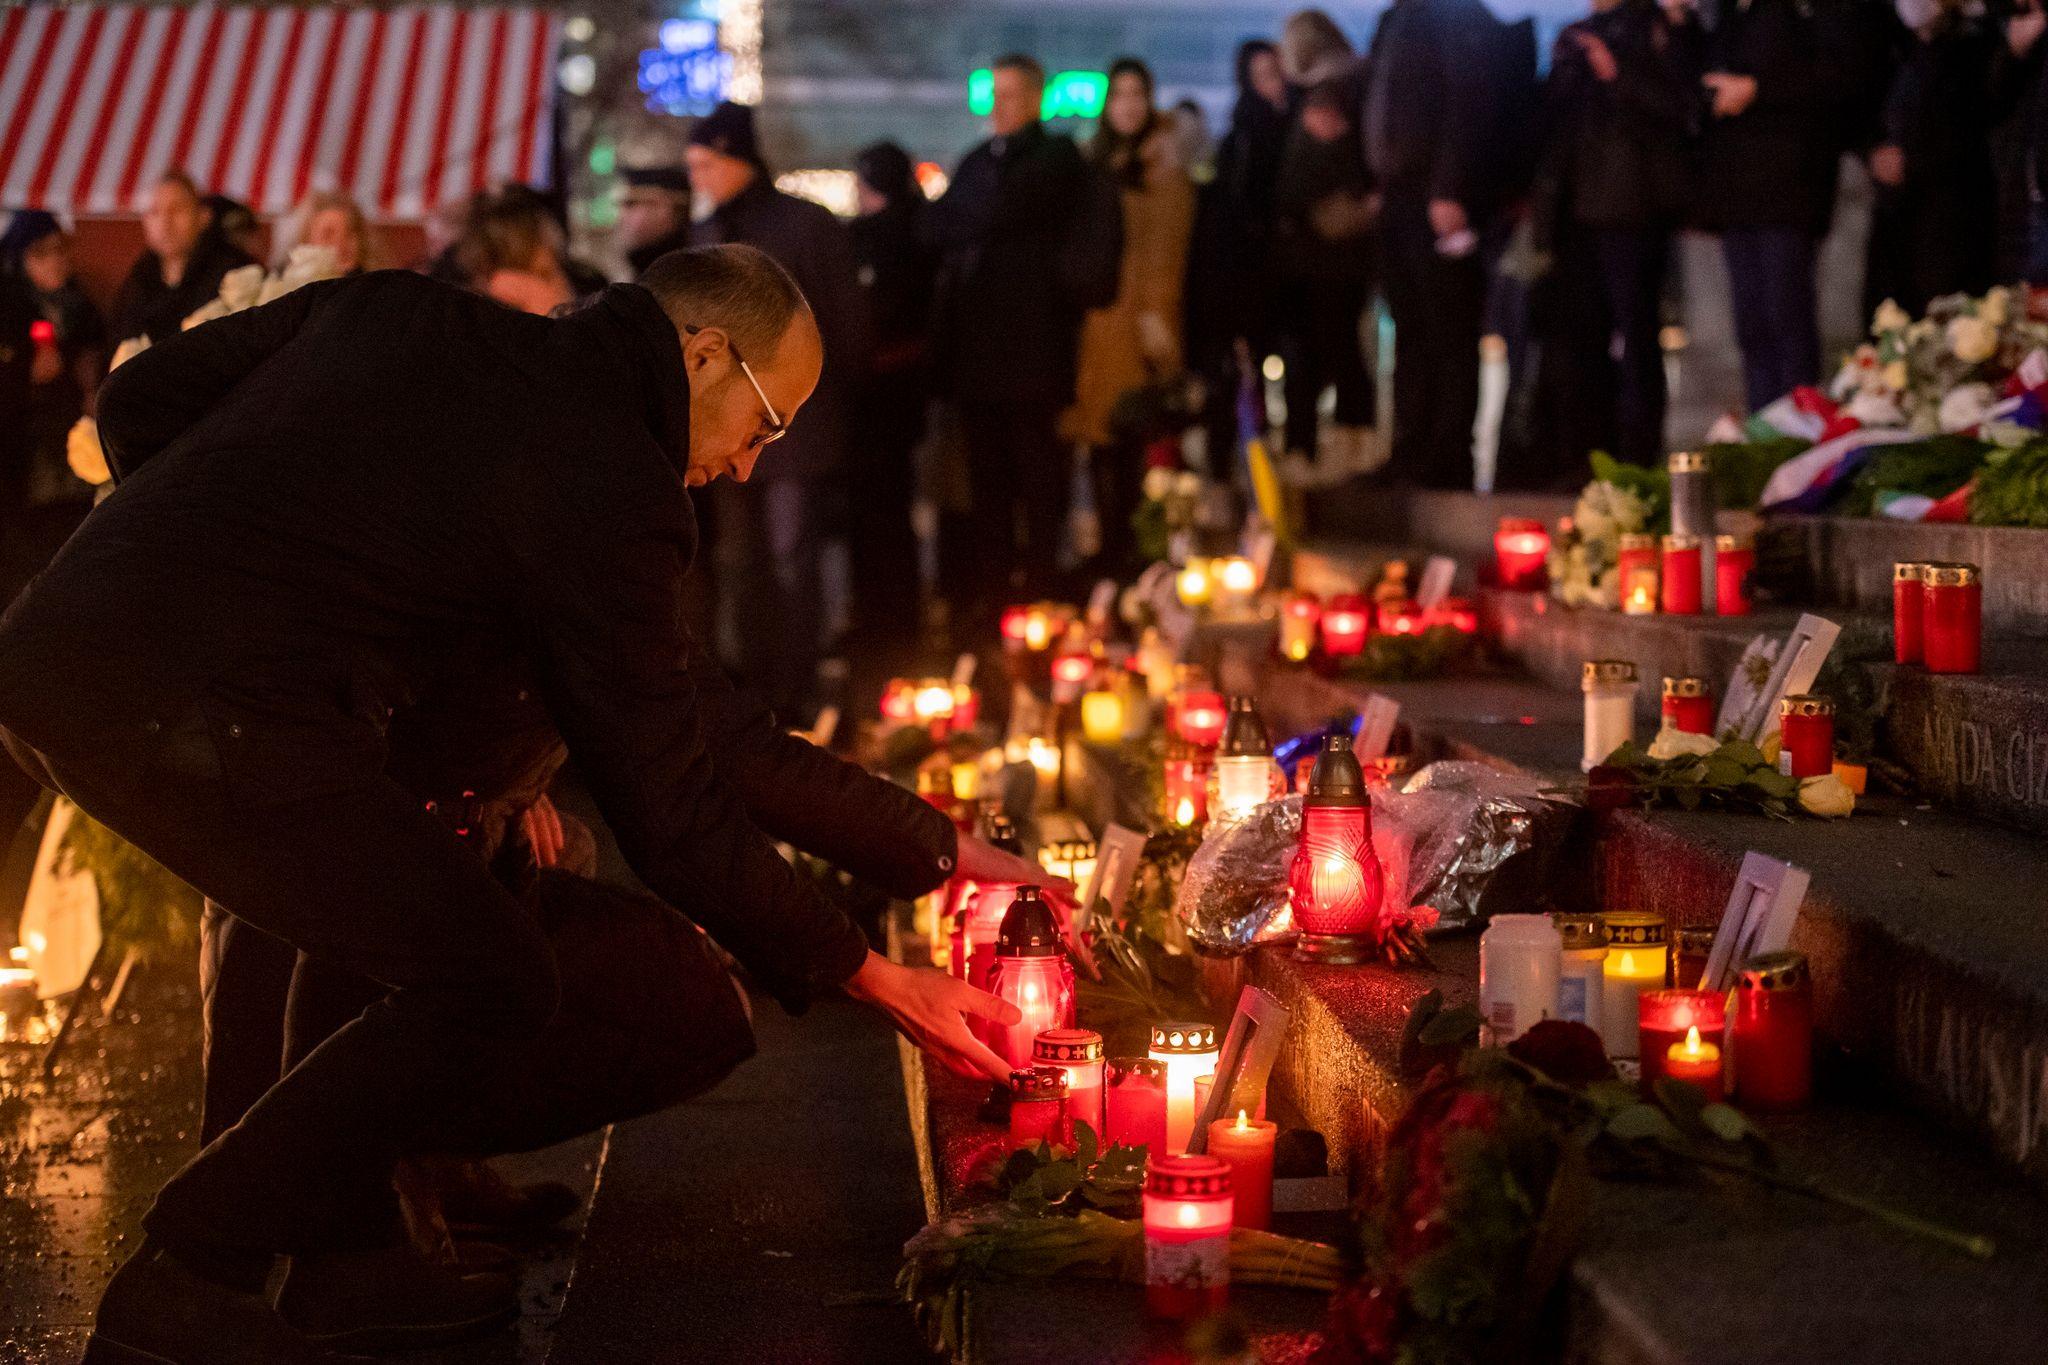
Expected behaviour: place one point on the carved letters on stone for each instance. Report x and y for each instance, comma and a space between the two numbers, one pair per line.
1967, 754
1981, 1072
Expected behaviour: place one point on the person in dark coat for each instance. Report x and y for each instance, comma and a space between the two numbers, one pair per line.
1767, 184
1935, 229
1427, 139
1620, 106
330, 493
897, 271
770, 534
1030, 237
1230, 284
180, 267
68, 352
2020, 90
654, 214
1323, 211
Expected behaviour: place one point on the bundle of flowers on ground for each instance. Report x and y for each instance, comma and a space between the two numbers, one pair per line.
1693, 771
1937, 418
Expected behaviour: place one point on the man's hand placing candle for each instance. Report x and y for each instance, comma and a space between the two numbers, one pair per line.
930, 1009
981, 861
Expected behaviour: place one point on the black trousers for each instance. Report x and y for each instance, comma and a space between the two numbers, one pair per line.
1017, 518
355, 872
881, 543
1323, 349
1437, 303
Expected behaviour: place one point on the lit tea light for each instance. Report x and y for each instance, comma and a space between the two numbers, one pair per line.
1188, 1051
1344, 625
1299, 615
1697, 1062
1521, 553
1637, 961
1245, 1144
1102, 716
1187, 1218
1195, 585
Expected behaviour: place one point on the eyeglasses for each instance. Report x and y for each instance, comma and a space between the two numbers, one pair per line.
777, 428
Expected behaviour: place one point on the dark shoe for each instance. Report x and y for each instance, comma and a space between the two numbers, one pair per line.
473, 1196
157, 1311
392, 1299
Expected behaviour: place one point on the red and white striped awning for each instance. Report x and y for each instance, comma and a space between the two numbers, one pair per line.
404, 109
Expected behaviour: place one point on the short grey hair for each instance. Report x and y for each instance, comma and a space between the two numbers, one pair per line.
740, 289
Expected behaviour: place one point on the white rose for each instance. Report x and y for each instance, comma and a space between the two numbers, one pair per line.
1671, 742
1827, 796
85, 455
240, 289
1158, 483
1889, 318
1188, 484
1874, 408
1964, 406
1997, 306
1972, 339
1897, 376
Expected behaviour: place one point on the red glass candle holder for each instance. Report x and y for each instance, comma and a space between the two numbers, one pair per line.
1187, 1217
1663, 1017
1909, 610
1032, 973
1952, 625
980, 924
899, 700
1335, 880
1697, 1061
1456, 612
1200, 718
1038, 1106
1077, 1051
1070, 675
1134, 1104
1635, 568
1680, 575
1345, 623
1689, 705
1734, 561
1773, 1033
1521, 554
1299, 615
1401, 618
1806, 727
1186, 786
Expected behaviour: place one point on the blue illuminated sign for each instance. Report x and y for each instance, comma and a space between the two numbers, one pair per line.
688, 73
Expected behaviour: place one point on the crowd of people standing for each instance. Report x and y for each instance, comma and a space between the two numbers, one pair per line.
1069, 309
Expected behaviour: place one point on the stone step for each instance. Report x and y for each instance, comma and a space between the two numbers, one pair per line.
1459, 524
1930, 954
1978, 742
1847, 562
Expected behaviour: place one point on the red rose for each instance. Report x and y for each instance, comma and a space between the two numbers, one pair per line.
1569, 1053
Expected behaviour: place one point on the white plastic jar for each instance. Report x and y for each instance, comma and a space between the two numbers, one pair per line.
1519, 960
1610, 688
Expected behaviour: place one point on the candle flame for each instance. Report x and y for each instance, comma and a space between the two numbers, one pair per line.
1243, 1122
1189, 1215
1240, 575
1626, 964
1184, 813
1297, 650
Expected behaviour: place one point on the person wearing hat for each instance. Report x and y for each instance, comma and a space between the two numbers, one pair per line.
654, 214
68, 347
769, 533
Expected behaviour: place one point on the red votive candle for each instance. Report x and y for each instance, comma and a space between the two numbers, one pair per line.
1335, 881
1400, 618
1187, 1217
1806, 727
1696, 1061
1298, 617
1773, 1033
1663, 1019
1521, 553
1038, 1106
1689, 705
1953, 624
980, 924
1909, 610
1345, 623
1681, 575
1186, 786
1245, 1144
1078, 1052
1134, 1104
1200, 719
1734, 560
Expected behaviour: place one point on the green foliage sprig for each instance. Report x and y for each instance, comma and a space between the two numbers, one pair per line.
1735, 776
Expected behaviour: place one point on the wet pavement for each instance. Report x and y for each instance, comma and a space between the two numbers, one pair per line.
83, 1151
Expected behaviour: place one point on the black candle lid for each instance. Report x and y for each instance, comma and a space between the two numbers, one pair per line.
1039, 1083
1244, 733
1029, 929
1336, 780
1187, 1177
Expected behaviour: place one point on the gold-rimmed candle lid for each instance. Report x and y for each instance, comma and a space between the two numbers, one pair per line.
1687, 462
1783, 971
1806, 704
1910, 571
1951, 575
1634, 928
1681, 540
1685, 687
1601, 671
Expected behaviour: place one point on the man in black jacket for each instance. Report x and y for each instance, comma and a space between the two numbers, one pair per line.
769, 540
1030, 238
329, 493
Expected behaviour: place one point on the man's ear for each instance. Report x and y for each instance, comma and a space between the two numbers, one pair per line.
702, 347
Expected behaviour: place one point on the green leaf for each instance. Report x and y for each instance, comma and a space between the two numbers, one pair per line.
1727, 1123
1642, 1122
1448, 1028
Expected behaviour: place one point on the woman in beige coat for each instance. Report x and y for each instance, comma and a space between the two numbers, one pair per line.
1135, 341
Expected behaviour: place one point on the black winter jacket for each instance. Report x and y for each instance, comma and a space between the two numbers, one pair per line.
332, 495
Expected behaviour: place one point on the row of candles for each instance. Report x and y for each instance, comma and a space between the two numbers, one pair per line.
1806, 722
1938, 616
1666, 575
1340, 626
1612, 973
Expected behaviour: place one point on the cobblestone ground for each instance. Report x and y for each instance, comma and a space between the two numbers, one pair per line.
83, 1151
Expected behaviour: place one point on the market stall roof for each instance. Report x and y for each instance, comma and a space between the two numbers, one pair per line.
404, 108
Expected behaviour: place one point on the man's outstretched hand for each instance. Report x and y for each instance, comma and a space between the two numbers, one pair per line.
981, 861
930, 1009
